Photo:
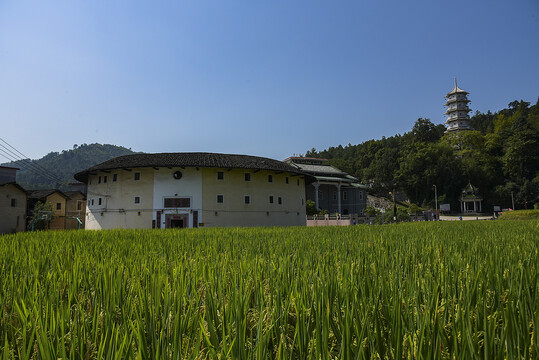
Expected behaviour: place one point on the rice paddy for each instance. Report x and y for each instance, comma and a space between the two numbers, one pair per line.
455, 290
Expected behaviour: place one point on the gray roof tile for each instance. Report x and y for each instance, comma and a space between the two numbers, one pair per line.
192, 159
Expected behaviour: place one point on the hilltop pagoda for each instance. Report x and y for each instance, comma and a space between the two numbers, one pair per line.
457, 110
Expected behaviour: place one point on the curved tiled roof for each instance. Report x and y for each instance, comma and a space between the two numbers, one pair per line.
456, 90
196, 159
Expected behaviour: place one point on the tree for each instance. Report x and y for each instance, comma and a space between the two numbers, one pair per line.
481, 168
425, 165
388, 216
413, 209
382, 169
483, 122
425, 131
521, 158
471, 139
518, 105
311, 153
533, 116
310, 207
528, 193
37, 220
372, 211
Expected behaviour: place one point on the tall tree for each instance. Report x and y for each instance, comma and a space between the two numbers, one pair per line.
425, 131
381, 171
521, 158
423, 166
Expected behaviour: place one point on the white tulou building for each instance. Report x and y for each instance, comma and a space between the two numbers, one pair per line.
190, 190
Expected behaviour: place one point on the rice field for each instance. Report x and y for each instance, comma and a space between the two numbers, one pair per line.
454, 290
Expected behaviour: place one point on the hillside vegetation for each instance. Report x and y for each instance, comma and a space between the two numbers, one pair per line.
430, 290
56, 170
500, 157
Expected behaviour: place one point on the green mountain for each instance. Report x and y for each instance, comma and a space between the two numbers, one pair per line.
56, 170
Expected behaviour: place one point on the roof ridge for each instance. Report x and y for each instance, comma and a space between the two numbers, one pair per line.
189, 159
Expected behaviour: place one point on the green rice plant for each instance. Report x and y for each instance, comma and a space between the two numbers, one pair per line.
407, 291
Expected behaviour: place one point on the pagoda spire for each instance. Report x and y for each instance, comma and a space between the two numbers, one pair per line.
457, 110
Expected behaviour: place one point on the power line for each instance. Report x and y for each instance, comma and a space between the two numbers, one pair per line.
36, 168
7, 156
26, 157
29, 165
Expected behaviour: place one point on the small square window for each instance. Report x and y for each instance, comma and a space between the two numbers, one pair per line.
99, 180
270, 178
247, 176
220, 199
220, 175
247, 199
88, 202
280, 200
58, 206
13, 202
271, 199
137, 176
92, 202
137, 199
286, 180
114, 177
105, 178
99, 201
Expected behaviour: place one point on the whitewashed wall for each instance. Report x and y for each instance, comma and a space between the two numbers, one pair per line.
190, 185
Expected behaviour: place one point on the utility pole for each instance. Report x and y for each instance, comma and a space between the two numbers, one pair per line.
435, 198
394, 206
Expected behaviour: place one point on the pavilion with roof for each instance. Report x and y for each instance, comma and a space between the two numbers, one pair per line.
470, 201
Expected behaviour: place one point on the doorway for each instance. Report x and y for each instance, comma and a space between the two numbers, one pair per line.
177, 221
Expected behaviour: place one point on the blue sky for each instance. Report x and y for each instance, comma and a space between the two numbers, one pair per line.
268, 78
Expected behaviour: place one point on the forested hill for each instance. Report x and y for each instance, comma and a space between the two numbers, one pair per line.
500, 157
56, 170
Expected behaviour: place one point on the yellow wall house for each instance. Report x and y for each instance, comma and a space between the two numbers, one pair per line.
12, 208
58, 201
188, 190
75, 210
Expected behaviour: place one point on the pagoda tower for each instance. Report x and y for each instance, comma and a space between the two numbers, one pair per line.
457, 110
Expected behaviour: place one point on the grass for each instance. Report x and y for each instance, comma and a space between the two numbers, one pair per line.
422, 290
520, 215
